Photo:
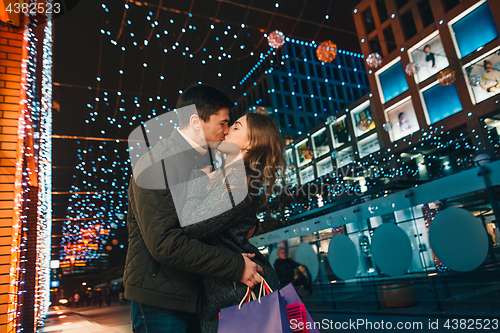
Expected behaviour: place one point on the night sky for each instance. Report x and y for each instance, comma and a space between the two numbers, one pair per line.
89, 84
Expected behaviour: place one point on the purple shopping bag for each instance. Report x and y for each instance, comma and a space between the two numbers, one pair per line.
290, 296
264, 315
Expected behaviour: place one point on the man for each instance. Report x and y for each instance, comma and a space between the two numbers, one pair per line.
285, 268
162, 263
289, 271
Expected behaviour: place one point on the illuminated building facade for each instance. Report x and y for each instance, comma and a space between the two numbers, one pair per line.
299, 90
26, 179
424, 141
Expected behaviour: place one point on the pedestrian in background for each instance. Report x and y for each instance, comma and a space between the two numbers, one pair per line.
108, 296
76, 299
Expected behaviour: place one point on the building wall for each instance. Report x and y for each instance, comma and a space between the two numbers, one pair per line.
10, 84
300, 91
373, 37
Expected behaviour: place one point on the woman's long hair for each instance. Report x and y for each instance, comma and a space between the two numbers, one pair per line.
264, 161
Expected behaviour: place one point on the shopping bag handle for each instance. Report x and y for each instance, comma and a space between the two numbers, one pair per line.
246, 298
264, 287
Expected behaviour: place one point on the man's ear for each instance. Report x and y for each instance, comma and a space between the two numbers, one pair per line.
194, 122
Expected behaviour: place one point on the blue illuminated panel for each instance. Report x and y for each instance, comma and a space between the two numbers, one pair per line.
441, 102
476, 29
393, 81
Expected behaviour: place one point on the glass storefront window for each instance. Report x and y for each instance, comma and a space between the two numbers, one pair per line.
304, 152
306, 175
340, 133
392, 80
324, 166
345, 156
440, 102
368, 145
483, 76
403, 120
474, 30
290, 168
362, 119
320, 143
429, 56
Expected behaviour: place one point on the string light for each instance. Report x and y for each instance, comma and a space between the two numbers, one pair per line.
33, 173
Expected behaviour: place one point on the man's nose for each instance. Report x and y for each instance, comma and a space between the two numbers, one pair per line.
225, 131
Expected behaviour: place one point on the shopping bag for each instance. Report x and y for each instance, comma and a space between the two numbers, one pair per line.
267, 314
290, 297
298, 317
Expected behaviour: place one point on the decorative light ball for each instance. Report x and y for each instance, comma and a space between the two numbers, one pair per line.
326, 51
335, 154
387, 126
446, 77
331, 119
374, 60
411, 69
474, 80
276, 39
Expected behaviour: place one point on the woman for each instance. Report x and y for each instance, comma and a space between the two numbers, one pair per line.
260, 150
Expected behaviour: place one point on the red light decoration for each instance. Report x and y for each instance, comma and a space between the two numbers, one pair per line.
374, 60
411, 69
446, 77
276, 39
326, 51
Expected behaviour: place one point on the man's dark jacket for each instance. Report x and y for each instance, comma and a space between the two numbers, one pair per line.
161, 261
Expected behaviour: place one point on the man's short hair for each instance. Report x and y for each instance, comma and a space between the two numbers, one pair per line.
208, 101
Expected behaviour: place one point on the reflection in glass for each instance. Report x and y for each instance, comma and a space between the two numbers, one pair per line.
304, 152
441, 102
475, 30
306, 175
345, 156
340, 132
484, 76
362, 119
290, 168
429, 56
368, 145
324, 166
320, 143
393, 82
403, 120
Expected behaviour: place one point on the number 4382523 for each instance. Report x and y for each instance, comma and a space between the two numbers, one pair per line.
34, 8
471, 324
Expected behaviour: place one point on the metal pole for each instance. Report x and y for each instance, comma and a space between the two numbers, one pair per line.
484, 172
